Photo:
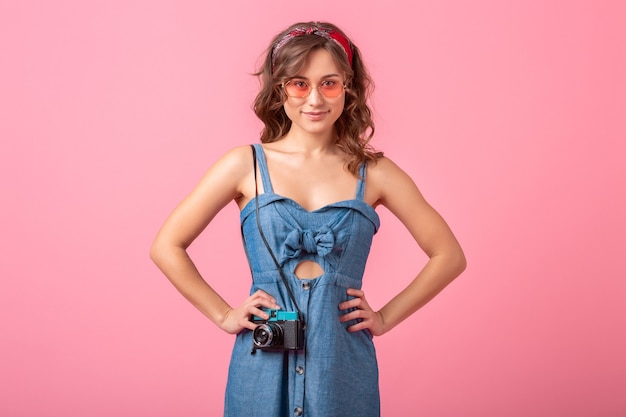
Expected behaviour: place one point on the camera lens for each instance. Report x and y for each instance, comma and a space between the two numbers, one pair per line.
266, 335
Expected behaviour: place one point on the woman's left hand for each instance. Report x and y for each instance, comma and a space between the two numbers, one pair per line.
369, 319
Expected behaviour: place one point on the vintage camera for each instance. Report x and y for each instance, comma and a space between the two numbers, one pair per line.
284, 330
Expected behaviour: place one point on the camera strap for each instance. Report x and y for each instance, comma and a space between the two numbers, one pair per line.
258, 222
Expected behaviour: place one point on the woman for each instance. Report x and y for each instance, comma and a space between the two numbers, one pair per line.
307, 197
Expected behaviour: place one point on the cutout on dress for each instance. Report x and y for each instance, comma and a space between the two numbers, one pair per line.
308, 270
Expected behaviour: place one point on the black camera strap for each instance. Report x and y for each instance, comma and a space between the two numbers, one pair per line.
258, 222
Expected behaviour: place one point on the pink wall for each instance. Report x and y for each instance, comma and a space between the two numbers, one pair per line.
509, 115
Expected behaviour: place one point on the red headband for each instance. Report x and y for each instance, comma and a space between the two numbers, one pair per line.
315, 30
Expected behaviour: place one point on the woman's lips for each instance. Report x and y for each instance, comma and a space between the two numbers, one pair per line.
315, 115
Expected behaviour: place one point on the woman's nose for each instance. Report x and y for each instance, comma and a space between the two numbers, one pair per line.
314, 96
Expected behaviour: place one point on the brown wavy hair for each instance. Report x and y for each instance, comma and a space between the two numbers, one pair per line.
354, 128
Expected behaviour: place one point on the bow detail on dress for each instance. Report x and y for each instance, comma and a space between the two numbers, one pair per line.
321, 242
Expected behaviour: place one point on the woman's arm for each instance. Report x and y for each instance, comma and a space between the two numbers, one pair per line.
225, 181
393, 188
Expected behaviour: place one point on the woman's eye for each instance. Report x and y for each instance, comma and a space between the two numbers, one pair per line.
300, 84
328, 83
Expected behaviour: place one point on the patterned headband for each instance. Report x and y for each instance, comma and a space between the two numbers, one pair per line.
314, 30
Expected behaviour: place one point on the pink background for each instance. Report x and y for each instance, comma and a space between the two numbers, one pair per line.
510, 116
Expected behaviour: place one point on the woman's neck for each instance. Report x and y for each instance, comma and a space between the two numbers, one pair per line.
298, 141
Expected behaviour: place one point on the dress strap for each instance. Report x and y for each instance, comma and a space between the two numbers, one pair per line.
360, 190
265, 175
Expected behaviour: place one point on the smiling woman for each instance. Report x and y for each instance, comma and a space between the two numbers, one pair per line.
315, 109
307, 197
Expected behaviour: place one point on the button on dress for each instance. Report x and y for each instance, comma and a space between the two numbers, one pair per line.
336, 374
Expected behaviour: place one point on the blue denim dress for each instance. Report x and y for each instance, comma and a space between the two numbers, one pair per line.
337, 373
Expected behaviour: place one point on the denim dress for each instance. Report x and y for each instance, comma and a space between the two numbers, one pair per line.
336, 374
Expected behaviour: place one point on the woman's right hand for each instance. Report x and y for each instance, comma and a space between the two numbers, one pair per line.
237, 319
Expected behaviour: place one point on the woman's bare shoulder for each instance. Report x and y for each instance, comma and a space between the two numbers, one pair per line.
237, 157
229, 172
386, 179
382, 170
232, 166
